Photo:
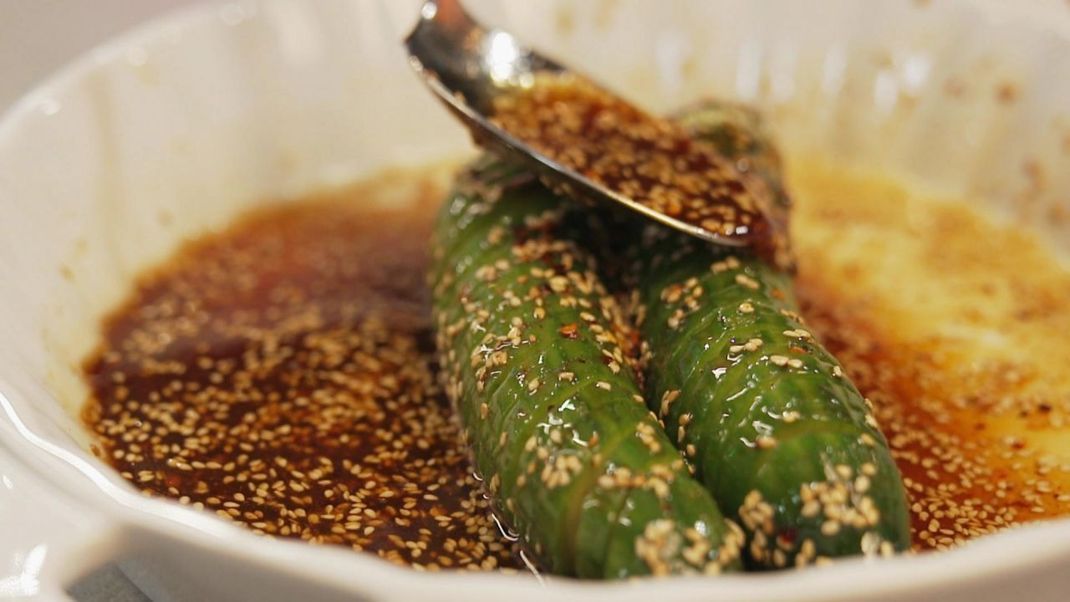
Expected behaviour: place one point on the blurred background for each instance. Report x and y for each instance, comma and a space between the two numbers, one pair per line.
39, 36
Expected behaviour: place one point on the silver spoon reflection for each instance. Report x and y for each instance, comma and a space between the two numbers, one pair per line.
581, 139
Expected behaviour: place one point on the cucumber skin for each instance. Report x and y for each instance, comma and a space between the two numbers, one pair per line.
761, 425
583, 472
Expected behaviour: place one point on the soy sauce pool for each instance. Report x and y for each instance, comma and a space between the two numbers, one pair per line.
956, 325
280, 373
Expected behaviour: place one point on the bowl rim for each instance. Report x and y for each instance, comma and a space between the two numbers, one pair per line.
97, 486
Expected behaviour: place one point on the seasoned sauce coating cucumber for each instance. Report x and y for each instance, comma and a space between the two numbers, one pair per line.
534, 356
765, 415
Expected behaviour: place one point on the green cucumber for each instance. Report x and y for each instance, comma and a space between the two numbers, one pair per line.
535, 357
764, 414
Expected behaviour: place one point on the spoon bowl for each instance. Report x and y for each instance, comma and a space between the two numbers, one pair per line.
471, 68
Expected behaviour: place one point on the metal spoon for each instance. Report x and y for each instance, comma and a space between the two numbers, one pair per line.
469, 66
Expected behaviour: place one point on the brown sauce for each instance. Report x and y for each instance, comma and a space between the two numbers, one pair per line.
278, 374
650, 160
958, 329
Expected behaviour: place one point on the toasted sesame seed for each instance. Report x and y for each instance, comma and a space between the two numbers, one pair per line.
679, 177
778, 360
746, 281
245, 391
940, 401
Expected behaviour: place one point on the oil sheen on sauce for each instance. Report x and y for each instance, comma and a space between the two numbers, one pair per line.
958, 330
280, 373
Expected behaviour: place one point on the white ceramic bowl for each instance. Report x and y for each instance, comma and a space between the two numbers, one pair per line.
176, 127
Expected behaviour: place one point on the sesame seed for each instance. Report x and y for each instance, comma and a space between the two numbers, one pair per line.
247, 392
765, 442
746, 281
666, 400
778, 360
678, 177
